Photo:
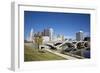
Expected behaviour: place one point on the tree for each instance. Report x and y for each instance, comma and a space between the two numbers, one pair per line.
87, 39
38, 41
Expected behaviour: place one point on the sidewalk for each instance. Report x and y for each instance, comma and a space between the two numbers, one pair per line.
62, 55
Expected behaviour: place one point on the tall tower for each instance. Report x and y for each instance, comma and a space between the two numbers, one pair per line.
46, 32
31, 34
79, 36
51, 34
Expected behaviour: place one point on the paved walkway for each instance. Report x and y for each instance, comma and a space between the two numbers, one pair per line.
62, 55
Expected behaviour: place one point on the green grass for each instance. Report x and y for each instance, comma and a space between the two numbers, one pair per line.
31, 54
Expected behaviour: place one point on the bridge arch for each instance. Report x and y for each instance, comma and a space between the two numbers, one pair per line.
68, 44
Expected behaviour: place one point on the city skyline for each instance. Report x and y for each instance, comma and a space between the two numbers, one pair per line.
66, 24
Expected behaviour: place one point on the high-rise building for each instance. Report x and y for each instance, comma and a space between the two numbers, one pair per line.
42, 33
39, 34
46, 32
79, 36
51, 34
31, 34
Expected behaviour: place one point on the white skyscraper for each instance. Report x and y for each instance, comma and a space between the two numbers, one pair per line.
51, 34
79, 36
31, 34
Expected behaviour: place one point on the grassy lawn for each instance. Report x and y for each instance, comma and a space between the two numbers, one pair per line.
31, 54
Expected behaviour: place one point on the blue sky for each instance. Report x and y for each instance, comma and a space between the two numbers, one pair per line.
66, 24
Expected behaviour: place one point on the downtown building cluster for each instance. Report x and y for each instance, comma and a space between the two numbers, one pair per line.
47, 35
